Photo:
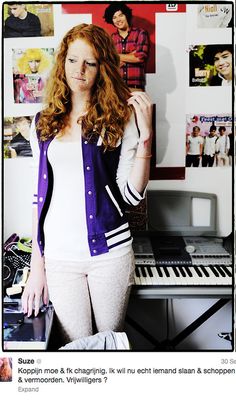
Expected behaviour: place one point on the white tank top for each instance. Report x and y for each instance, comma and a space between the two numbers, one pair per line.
65, 227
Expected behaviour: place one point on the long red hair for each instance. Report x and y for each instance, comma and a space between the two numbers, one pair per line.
108, 111
5, 370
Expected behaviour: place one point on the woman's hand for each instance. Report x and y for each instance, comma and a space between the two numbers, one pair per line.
143, 109
36, 286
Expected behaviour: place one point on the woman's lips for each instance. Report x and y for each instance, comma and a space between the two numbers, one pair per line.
79, 78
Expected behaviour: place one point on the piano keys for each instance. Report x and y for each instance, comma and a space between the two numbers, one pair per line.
183, 275
195, 275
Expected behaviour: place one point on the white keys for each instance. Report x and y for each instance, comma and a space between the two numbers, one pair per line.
171, 280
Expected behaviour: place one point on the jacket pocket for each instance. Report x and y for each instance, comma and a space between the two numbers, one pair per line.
114, 201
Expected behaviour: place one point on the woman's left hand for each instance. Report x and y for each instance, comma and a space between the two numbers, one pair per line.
143, 109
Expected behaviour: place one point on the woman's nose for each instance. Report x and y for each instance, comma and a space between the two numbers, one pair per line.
81, 67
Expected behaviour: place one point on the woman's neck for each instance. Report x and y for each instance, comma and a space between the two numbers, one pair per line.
79, 104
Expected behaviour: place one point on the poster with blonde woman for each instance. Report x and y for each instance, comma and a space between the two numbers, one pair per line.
30, 70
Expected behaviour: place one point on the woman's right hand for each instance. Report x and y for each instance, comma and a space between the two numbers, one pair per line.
36, 286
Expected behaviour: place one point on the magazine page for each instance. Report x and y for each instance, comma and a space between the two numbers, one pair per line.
117, 259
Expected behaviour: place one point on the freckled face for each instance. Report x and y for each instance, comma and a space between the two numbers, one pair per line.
81, 67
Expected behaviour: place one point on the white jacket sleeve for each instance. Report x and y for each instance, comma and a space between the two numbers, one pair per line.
127, 157
35, 161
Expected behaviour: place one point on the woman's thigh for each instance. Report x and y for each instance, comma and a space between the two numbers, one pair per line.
68, 291
109, 285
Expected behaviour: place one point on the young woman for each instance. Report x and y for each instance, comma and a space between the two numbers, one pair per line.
5, 370
92, 160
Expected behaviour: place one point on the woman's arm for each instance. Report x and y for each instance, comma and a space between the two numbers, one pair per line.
36, 285
134, 165
139, 174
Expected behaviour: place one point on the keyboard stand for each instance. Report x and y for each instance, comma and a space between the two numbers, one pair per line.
169, 345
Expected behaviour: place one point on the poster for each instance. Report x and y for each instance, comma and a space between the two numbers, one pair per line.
28, 20
30, 70
17, 137
209, 141
211, 65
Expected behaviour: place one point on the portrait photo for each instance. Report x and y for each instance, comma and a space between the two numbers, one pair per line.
22, 20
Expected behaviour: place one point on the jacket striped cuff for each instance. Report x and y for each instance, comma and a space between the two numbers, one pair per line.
132, 196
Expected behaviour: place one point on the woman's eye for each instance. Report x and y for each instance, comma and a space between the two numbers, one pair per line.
91, 64
71, 60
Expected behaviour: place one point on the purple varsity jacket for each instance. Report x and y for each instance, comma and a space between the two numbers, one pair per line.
107, 225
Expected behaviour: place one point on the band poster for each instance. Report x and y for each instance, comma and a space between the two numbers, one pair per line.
170, 342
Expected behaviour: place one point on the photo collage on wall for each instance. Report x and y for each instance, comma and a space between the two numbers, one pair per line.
30, 67
209, 137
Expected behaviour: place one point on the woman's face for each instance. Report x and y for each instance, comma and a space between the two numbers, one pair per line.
81, 67
34, 65
223, 63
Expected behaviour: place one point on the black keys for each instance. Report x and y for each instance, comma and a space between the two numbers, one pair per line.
143, 271
226, 271
204, 271
166, 271
198, 271
221, 271
159, 272
149, 271
176, 272
182, 271
214, 271
188, 271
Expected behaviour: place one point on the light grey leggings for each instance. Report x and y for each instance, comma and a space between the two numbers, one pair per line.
104, 284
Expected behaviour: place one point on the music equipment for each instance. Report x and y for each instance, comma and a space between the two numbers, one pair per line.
181, 267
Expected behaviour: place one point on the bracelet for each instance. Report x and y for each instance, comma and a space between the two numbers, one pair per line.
144, 157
